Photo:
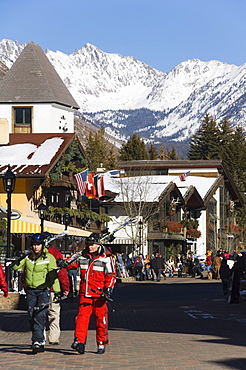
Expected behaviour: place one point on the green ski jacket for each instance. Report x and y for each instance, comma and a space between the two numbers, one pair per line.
41, 273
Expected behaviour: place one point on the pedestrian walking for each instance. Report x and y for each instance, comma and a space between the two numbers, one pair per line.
196, 269
97, 280
209, 261
170, 266
153, 267
138, 268
216, 266
225, 274
159, 266
72, 274
54, 309
41, 274
147, 270
179, 264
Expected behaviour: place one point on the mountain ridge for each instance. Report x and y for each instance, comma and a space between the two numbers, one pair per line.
125, 95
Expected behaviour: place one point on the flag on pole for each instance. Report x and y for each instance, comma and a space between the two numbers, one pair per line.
81, 179
183, 176
90, 190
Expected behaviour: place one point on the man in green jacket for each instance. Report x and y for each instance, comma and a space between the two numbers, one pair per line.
40, 270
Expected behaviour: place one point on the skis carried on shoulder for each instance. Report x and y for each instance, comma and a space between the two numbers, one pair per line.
109, 235
106, 238
49, 240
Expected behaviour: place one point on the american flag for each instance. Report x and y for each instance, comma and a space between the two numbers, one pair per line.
81, 179
183, 176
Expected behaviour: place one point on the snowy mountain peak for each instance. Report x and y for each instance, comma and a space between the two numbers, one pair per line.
126, 95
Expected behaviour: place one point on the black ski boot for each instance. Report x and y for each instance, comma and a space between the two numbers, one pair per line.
101, 349
80, 347
37, 348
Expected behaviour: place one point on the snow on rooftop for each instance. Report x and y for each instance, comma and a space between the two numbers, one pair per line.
149, 188
30, 154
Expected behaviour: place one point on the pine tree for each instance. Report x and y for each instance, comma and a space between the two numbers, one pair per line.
99, 150
153, 152
235, 157
205, 143
134, 149
162, 153
172, 154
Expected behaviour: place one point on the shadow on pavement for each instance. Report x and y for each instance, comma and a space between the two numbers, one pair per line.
233, 363
182, 308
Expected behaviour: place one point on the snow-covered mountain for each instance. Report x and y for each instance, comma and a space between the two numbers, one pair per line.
125, 95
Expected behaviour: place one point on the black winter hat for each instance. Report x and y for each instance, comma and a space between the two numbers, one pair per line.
94, 238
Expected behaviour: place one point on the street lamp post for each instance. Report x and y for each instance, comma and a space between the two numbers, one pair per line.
66, 221
9, 179
42, 208
140, 227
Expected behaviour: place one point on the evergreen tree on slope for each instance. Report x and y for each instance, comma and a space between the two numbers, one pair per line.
134, 149
205, 143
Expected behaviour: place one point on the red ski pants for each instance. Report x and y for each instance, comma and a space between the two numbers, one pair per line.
99, 307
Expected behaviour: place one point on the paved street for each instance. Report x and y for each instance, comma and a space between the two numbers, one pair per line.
175, 324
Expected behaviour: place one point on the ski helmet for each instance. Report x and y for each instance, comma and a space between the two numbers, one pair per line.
37, 239
94, 238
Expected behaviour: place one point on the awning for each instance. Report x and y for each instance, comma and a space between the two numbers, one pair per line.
121, 241
26, 225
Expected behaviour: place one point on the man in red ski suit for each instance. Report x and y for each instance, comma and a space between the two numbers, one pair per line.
98, 277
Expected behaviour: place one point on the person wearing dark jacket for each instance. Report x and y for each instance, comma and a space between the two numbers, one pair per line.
138, 268
153, 267
225, 274
159, 265
179, 264
238, 269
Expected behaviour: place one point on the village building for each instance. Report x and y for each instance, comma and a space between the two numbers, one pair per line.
178, 206
193, 212
38, 144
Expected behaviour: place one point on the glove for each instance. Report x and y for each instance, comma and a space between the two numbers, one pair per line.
6, 294
110, 238
107, 294
20, 255
57, 297
61, 263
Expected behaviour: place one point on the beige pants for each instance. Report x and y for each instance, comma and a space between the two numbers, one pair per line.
53, 334
217, 272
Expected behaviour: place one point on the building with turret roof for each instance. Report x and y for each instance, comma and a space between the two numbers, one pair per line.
33, 97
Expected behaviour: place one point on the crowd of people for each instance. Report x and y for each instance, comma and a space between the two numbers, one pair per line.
155, 267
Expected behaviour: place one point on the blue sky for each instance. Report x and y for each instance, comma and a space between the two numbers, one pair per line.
161, 33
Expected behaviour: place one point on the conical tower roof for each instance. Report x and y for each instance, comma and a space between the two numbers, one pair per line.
33, 79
